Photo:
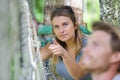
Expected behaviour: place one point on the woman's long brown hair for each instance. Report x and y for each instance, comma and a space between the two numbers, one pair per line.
68, 12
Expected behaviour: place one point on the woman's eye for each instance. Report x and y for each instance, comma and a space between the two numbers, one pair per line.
56, 27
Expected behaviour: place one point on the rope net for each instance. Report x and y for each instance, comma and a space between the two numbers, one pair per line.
31, 62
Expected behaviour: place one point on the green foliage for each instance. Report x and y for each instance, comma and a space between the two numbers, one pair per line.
91, 12
38, 7
110, 10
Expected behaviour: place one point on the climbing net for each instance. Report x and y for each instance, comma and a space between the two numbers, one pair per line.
31, 63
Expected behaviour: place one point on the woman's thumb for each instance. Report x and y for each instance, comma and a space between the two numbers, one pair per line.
54, 41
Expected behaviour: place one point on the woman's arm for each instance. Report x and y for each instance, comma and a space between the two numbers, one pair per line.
69, 60
45, 52
73, 67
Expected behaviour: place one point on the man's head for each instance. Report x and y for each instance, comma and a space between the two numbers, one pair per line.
103, 48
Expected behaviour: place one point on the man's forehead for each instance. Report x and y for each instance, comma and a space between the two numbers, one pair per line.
100, 35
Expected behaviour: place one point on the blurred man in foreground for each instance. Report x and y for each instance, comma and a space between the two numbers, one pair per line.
102, 53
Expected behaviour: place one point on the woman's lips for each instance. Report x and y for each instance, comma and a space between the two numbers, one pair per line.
63, 35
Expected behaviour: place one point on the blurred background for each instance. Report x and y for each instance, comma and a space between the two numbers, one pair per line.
25, 26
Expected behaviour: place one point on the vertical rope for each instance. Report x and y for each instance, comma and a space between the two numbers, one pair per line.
32, 66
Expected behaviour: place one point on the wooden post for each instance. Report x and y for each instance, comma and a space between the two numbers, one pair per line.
9, 39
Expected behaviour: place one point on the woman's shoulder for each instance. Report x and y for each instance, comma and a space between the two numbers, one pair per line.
84, 42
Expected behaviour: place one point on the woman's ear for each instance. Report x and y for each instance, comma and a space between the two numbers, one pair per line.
115, 57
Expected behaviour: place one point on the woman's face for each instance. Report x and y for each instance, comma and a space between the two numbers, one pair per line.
63, 28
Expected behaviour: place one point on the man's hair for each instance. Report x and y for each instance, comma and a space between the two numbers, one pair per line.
113, 31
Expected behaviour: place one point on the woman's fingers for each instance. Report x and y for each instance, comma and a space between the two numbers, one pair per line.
57, 50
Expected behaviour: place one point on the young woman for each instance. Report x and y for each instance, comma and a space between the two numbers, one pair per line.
66, 48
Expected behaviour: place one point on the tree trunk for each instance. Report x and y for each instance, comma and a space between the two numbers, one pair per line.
9, 43
110, 11
50, 5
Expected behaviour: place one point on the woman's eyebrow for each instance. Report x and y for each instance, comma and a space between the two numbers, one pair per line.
65, 22
54, 25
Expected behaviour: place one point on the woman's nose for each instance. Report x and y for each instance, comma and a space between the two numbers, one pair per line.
61, 30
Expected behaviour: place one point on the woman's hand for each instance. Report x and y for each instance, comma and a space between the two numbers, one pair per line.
57, 49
